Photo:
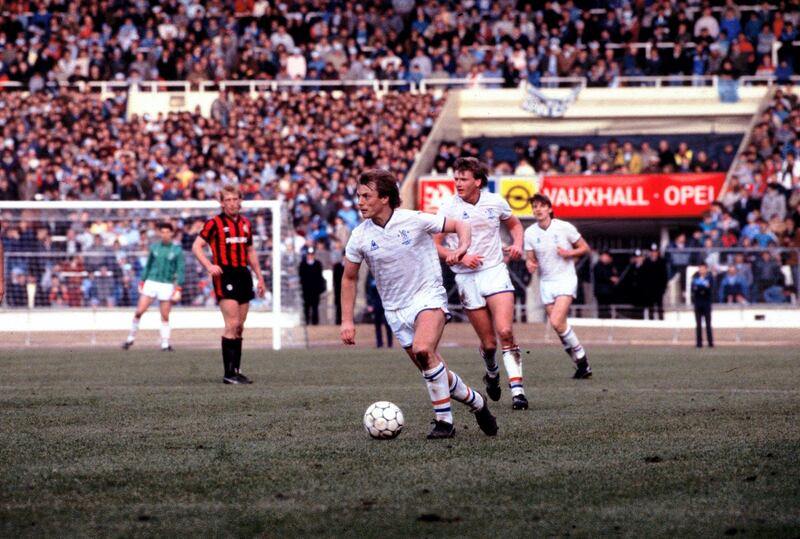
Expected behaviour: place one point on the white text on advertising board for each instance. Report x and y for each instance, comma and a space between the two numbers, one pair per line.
681, 195
583, 197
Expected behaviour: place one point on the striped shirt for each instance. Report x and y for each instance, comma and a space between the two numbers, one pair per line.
228, 238
484, 217
401, 255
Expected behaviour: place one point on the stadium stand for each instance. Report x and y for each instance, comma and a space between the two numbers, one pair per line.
52, 42
62, 142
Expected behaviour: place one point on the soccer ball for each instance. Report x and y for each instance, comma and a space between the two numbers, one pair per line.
383, 420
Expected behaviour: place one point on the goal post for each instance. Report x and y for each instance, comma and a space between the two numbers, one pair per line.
82, 256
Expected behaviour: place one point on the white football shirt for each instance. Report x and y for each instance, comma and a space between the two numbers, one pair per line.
401, 255
484, 217
544, 244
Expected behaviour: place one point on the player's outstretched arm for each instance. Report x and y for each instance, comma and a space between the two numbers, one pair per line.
198, 250
463, 230
349, 281
516, 231
252, 259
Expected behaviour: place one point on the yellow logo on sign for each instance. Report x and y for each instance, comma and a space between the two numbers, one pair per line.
518, 192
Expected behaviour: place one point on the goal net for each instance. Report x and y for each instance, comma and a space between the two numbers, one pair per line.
76, 266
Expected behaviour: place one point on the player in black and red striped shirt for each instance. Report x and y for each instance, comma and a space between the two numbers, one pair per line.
230, 237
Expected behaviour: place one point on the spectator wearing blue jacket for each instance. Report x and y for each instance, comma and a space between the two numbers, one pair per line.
702, 297
732, 288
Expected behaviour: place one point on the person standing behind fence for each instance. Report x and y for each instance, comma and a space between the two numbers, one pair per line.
337, 264
633, 285
375, 307
702, 294
678, 258
313, 284
520, 278
654, 276
605, 278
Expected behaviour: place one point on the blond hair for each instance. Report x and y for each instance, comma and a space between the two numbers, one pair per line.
229, 188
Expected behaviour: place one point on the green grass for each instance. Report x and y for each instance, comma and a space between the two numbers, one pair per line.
661, 442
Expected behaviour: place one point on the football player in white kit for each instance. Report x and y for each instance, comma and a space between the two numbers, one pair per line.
397, 246
484, 285
552, 245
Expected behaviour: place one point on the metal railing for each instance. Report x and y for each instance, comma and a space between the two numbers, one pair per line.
379, 85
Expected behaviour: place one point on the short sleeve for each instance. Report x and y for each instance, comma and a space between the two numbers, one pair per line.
504, 209
352, 250
208, 230
528, 240
249, 233
432, 224
572, 233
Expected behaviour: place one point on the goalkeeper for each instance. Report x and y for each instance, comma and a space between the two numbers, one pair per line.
162, 278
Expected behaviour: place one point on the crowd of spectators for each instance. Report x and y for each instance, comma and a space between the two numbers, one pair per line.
609, 157
755, 228
54, 41
306, 147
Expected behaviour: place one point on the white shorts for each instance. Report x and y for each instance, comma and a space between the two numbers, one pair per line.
550, 290
154, 289
402, 320
475, 287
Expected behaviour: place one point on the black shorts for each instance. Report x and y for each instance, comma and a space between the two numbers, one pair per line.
235, 284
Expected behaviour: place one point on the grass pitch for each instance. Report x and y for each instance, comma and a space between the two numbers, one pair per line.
661, 442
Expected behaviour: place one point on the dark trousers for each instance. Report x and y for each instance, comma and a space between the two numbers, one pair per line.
379, 320
311, 310
338, 271
603, 305
657, 310
523, 310
703, 310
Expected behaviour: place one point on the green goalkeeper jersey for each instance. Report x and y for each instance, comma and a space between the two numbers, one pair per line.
164, 264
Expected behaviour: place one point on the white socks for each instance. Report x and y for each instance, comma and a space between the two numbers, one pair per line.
464, 394
134, 329
439, 392
512, 359
164, 334
572, 345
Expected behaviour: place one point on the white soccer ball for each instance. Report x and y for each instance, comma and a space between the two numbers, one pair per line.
383, 420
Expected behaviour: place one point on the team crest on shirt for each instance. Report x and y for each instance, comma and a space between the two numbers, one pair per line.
245, 228
225, 228
465, 216
490, 213
373, 246
405, 237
